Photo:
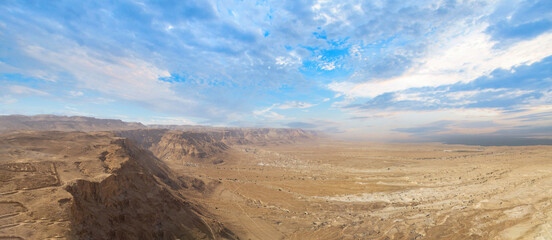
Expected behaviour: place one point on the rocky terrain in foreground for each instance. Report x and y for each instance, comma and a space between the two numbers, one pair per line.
95, 186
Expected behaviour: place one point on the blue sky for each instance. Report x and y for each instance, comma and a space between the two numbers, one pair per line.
374, 70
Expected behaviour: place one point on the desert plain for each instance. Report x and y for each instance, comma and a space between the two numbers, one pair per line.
266, 184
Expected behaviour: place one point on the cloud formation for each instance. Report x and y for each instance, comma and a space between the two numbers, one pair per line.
360, 68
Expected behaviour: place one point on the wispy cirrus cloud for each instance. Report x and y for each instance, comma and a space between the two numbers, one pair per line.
295, 104
17, 89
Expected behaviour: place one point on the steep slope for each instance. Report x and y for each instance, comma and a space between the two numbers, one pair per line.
63, 123
177, 146
264, 136
208, 144
258, 136
98, 187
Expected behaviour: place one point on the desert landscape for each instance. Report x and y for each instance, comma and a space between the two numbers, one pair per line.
137, 182
276, 119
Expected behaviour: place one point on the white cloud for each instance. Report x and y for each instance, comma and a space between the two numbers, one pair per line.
295, 104
466, 94
288, 61
329, 66
470, 114
16, 89
7, 99
462, 59
275, 116
124, 77
514, 93
343, 102
269, 114
264, 111
504, 93
416, 97
5, 68
355, 51
76, 93
100, 100
330, 12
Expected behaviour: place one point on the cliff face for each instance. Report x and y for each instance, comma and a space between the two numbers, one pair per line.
103, 187
259, 136
177, 145
263, 136
139, 200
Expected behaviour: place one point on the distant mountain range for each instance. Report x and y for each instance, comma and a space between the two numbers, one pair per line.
63, 123
226, 135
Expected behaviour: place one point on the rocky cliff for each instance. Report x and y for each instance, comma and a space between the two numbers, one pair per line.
103, 187
208, 143
259, 136
170, 145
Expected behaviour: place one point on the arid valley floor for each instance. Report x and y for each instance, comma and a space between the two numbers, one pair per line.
379, 191
266, 184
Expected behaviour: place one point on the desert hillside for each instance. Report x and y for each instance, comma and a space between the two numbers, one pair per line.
95, 186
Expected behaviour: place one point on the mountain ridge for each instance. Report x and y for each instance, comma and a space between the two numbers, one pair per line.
97, 186
63, 123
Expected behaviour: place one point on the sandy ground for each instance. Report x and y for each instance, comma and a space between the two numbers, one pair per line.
338, 190
316, 190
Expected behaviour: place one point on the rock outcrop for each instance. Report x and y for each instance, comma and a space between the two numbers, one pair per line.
100, 187
139, 200
176, 146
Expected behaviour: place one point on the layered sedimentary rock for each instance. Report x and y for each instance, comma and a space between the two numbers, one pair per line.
177, 145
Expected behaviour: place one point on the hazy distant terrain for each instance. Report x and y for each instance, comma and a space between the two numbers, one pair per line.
62, 123
118, 180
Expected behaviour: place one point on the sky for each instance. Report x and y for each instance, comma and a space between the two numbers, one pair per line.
370, 70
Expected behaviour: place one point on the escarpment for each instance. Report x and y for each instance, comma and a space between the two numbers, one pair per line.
139, 200
105, 187
240, 136
124, 184
176, 146
63, 123
205, 143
